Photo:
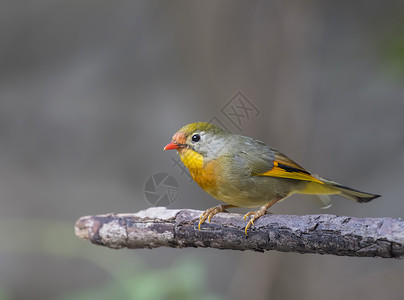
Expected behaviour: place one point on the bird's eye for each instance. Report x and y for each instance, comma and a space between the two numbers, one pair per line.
196, 137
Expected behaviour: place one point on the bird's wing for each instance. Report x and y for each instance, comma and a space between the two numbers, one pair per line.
255, 157
284, 167
261, 160
283, 159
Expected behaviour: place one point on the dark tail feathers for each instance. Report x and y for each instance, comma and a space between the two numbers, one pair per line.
350, 193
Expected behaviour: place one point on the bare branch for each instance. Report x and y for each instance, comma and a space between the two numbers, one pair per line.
322, 234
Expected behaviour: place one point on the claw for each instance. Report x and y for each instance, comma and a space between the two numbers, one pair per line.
202, 219
246, 228
210, 212
249, 214
257, 214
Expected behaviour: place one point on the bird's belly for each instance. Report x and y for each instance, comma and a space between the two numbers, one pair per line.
255, 191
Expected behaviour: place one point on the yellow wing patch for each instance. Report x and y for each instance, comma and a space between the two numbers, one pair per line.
286, 171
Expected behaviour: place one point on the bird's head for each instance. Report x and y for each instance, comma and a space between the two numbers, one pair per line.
204, 138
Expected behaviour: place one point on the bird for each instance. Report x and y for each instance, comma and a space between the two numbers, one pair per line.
244, 172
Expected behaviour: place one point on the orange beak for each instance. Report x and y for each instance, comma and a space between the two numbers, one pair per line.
171, 146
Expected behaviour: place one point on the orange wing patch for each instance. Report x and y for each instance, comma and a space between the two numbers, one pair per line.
283, 159
285, 170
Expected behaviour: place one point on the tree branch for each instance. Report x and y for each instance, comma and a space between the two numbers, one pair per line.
322, 234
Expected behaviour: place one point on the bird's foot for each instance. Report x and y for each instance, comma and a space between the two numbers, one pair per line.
210, 212
259, 213
255, 215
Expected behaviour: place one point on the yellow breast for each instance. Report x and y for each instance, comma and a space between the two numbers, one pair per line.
203, 173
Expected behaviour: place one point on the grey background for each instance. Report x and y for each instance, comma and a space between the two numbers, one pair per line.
91, 91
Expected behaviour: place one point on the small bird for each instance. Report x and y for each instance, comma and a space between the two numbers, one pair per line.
244, 172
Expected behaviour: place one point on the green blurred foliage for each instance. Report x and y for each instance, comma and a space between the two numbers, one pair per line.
3, 294
394, 55
391, 42
184, 280
133, 279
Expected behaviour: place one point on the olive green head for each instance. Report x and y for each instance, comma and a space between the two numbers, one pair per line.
202, 137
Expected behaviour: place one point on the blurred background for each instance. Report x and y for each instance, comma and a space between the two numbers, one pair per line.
91, 92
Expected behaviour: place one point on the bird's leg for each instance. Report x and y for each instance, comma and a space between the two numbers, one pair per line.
210, 212
259, 213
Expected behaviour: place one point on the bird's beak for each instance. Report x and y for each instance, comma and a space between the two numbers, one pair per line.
171, 146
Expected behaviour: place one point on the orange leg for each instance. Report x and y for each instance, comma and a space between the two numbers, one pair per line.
259, 213
210, 212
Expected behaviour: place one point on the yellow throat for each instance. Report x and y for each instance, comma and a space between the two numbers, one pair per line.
192, 160
203, 173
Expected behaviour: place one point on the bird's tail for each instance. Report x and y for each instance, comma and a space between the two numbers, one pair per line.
348, 192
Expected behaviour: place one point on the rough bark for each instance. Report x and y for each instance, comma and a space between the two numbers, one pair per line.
321, 234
